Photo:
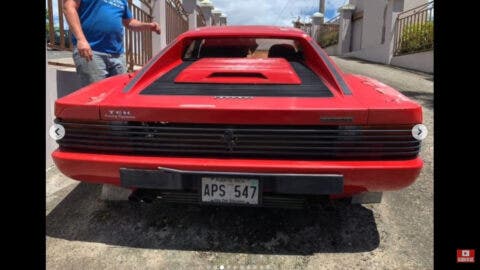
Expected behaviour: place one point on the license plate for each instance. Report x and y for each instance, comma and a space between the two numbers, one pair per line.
230, 190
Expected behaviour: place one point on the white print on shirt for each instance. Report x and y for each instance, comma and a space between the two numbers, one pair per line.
115, 3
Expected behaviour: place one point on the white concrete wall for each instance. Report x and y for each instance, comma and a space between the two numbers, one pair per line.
357, 32
367, 32
372, 23
422, 61
395, 7
368, 4
374, 54
359, 4
372, 48
409, 4
331, 50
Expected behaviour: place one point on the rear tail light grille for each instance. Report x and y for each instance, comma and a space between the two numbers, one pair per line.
293, 142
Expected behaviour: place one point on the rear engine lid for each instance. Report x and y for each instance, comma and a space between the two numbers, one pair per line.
240, 77
239, 71
178, 96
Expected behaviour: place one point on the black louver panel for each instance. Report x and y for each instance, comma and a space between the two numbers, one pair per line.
311, 86
292, 142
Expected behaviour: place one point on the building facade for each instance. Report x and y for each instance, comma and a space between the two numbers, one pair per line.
373, 30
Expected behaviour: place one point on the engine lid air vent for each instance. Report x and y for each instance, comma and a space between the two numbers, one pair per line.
239, 71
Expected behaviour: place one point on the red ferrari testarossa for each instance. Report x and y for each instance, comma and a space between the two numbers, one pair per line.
241, 115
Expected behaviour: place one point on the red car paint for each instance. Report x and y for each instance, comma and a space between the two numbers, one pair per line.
370, 103
263, 71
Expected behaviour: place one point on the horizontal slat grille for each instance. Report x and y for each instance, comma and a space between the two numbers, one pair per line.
294, 142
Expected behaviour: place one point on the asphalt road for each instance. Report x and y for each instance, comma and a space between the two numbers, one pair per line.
86, 233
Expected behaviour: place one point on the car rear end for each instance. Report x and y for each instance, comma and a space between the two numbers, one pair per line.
252, 129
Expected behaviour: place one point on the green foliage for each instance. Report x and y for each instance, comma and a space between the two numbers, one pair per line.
416, 37
328, 35
329, 38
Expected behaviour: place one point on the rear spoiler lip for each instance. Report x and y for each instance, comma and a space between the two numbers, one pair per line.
332, 68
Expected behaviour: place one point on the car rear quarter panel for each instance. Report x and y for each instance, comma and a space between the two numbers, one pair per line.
385, 104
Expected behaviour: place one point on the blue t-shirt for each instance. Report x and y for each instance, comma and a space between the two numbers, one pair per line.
102, 24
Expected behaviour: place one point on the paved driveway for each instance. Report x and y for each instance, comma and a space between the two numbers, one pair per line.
85, 233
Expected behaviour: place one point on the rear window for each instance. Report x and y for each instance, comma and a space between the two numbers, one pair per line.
244, 48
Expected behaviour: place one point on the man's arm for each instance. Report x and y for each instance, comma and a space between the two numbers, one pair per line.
136, 25
70, 10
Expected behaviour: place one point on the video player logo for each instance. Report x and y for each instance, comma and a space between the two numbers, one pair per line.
465, 255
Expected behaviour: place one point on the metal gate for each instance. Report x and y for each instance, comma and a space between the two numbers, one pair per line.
138, 45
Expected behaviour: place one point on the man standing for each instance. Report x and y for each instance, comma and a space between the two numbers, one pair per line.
97, 26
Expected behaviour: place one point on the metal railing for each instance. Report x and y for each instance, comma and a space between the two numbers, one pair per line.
414, 30
334, 20
58, 36
176, 20
138, 45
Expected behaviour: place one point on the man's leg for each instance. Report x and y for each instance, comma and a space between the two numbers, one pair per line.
116, 65
91, 71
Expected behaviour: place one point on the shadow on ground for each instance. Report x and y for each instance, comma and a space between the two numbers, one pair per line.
426, 76
426, 99
333, 227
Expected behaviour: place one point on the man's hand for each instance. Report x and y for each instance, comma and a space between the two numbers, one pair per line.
84, 50
136, 25
155, 27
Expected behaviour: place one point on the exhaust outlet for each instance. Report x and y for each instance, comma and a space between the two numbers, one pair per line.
141, 195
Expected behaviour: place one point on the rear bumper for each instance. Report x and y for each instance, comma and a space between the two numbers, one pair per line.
171, 179
358, 176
